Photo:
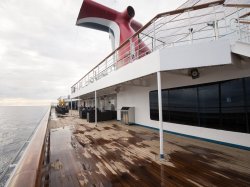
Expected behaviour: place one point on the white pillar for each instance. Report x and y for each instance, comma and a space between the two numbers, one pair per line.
154, 39
160, 113
95, 110
71, 105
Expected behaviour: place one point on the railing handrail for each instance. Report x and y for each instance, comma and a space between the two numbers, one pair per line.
169, 13
238, 5
27, 170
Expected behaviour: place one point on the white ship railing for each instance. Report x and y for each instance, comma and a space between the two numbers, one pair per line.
203, 22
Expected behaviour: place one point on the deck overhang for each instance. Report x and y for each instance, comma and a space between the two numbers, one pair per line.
213, 53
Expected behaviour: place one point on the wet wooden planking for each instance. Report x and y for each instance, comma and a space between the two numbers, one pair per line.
61, 151
113, 154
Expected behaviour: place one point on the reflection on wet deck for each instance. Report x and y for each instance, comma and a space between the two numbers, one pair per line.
113, 154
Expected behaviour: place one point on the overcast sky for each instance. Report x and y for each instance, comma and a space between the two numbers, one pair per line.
43, 53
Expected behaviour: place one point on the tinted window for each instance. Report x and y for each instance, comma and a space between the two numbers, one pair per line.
247, 86
232, 106
222, 105
153, 98
183, 106
232, 94
209, 106
247, 83
165, 113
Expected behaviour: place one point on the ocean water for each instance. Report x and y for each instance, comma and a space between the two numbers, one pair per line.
17, 124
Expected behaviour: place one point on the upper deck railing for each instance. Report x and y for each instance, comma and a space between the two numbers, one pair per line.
185, 26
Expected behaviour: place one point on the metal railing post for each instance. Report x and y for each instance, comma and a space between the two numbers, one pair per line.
152, 44
190, 29
216, 31
225, 22
115, 60
93, 76
131, 50
137, 50
98, 72
238, 19
106, 66
154, 39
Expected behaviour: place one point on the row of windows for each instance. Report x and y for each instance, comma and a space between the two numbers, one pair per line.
221, 105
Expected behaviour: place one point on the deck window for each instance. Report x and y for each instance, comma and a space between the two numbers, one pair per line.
247, 86
221, 105
154, 110
165, 109
233, 112
183, 106
209, 106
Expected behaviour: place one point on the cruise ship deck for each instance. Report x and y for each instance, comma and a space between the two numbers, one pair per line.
114, 154
185, 72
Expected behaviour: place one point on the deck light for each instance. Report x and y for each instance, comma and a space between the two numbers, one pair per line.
194, 73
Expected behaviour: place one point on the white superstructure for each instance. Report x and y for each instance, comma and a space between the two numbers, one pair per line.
196, 51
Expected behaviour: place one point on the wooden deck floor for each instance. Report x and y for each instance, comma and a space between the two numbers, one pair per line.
113, 154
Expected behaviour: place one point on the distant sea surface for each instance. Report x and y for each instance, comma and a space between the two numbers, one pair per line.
17, 125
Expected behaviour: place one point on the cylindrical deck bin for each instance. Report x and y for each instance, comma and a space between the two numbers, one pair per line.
128, 115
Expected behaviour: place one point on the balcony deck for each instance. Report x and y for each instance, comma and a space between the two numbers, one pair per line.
113, 154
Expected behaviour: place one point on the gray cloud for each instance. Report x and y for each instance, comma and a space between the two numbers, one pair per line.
43, 53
